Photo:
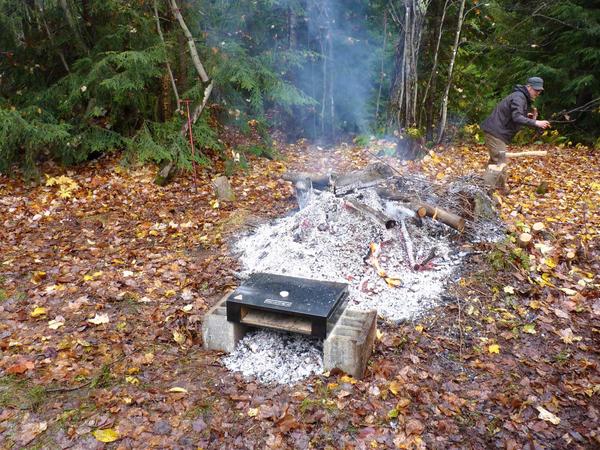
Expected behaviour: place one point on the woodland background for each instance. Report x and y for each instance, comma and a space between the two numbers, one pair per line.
105, 276
82, 78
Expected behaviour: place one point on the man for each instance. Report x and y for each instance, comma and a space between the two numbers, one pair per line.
509, 115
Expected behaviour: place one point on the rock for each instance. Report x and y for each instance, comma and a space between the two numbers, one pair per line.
223, 189
198, 425
162, 427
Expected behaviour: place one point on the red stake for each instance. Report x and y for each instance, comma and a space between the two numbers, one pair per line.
189, 121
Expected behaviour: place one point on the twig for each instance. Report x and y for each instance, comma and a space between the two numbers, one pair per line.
460, 331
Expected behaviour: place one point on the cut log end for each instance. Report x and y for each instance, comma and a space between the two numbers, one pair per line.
524, 240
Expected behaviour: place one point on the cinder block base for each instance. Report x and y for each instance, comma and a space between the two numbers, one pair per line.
347, 347
217, 332
350, 343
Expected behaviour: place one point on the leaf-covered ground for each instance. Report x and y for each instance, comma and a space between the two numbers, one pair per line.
105, 277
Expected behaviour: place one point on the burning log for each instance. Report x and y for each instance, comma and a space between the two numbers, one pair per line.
380, 217
424, 209
423, 264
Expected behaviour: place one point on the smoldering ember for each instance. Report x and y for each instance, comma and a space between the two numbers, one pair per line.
371, 229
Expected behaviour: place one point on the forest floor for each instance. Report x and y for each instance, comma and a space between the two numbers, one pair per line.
105, 278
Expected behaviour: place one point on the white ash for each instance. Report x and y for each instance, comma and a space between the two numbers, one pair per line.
276, 357
329, 241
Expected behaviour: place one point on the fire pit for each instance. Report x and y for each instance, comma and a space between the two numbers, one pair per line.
298, 305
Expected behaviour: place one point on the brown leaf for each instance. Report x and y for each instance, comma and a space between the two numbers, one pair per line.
562, 314
414, 426
20, 367
287, 423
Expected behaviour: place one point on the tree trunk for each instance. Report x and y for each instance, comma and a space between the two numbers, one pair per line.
381, 70
162, 39
444, 113
73, 25
431, 83
404, 96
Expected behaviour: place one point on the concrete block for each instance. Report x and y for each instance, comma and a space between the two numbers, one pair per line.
217, 332
350, 343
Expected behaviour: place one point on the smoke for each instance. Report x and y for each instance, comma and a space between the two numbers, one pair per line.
339, 78
324, 48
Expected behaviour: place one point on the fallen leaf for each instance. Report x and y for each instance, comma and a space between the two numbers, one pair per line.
38, 311
30, 431
132, 380
106, 435
568, 291
37, 277
547, 415
562, 314
56, 323
395, 387
178, 337
509, 290
252, 412
414, 426
494, 348
568, 337
529, 328
99, 319
178, 390
20, 367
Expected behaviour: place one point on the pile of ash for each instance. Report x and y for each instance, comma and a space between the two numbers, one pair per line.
400, 271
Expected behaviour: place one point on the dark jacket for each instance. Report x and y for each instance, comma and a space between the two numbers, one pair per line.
509, 115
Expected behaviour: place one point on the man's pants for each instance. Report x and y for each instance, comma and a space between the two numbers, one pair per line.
496, 149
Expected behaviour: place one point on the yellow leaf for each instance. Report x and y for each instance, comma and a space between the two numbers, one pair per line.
214, 203
419, 328
347, 379
550, 262
106, 435
534, 304
38, 311
252, 412
547, 415
379, 334
38, 277
132, 380
529, 328
568, 337
179, 337
178, 389
395, 387
494, 348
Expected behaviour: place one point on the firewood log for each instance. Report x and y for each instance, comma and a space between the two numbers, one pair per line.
524, 240
495, 176
386, 221
371, 174
424, 209
531, 153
